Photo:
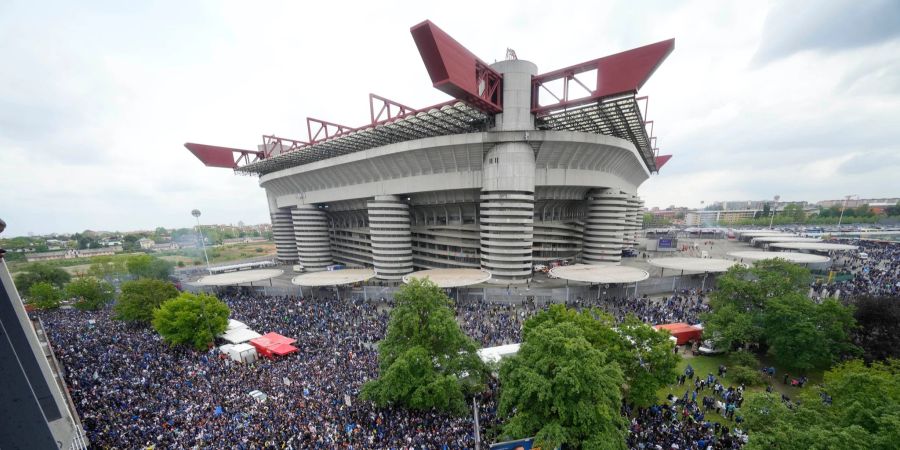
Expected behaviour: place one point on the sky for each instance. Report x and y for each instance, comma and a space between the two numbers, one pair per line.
799, 99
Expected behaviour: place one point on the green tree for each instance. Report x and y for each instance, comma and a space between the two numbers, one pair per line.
425, 360
739, 302
90, 293
107, 267
803, 335
191, 319
878, 333
794, 212
44, 295
563, 390
146, 266
862, 411
645, 355
139, 298
647, 360
130, 243
37, 273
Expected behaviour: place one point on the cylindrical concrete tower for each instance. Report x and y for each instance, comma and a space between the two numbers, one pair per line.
391, 238
632, 214
507, 193
604, 227
311, 234
283, 234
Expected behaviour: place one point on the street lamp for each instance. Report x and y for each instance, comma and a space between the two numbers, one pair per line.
774, 207
196, 213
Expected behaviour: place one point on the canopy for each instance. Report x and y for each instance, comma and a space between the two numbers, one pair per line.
683, 332
333, 277
768, 239
450, 278
274, 344
600, 274
707, 265
494, 354
814, 246
798, 258
232, 278
239, 335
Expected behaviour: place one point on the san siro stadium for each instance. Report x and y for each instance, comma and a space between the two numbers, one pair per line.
518, 169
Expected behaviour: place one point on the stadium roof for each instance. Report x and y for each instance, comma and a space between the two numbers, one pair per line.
438, 120
602, 99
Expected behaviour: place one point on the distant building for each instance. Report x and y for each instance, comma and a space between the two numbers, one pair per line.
857, 202
165, 246
698, 218
244, 240
146, 243
70, 254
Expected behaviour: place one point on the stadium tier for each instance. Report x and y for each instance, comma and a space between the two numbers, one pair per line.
519, 169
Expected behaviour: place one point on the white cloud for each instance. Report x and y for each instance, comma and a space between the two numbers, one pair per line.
104, 94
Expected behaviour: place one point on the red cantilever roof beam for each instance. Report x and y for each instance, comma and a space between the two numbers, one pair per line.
456, 71
617, 74
216, 156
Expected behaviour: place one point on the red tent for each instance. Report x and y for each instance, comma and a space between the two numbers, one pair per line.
683, 332
271, 344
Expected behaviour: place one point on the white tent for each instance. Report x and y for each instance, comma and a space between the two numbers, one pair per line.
495, 354
239, 335
244, 353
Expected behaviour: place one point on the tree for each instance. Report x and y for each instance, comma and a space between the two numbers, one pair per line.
794, 212
146, 266
425, 359
878, 333
647, 359
130, 243
858, 407
893, 210
803, 335
44, 295
37, 273
739, 302
644, 354
140, 297
90, 293
563, 390
107, 267
191, 319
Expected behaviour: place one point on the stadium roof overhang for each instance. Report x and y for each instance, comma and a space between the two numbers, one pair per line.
598, 96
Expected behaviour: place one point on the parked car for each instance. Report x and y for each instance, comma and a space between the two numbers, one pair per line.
629, 252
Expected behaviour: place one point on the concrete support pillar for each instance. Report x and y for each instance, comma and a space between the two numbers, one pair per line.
313, 240
391, 238
507, 213
632, 218
283, 234
604, 227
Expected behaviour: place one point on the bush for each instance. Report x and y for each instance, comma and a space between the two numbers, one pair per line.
180, 264
744, 359
745, 375
259, 250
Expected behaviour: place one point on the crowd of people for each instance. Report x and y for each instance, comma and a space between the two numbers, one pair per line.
875, 270
134, 391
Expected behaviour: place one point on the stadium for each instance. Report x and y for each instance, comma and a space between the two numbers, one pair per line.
519, 168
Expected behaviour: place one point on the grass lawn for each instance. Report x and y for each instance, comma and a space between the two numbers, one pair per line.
221, 253
704, 365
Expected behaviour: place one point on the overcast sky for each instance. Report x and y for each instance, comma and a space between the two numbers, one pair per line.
800, 99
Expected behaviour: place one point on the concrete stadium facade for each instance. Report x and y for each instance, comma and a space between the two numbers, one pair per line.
501, 200
497, 179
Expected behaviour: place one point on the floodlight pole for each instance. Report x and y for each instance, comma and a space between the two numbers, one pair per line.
196, 213
846, 199
477, 427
